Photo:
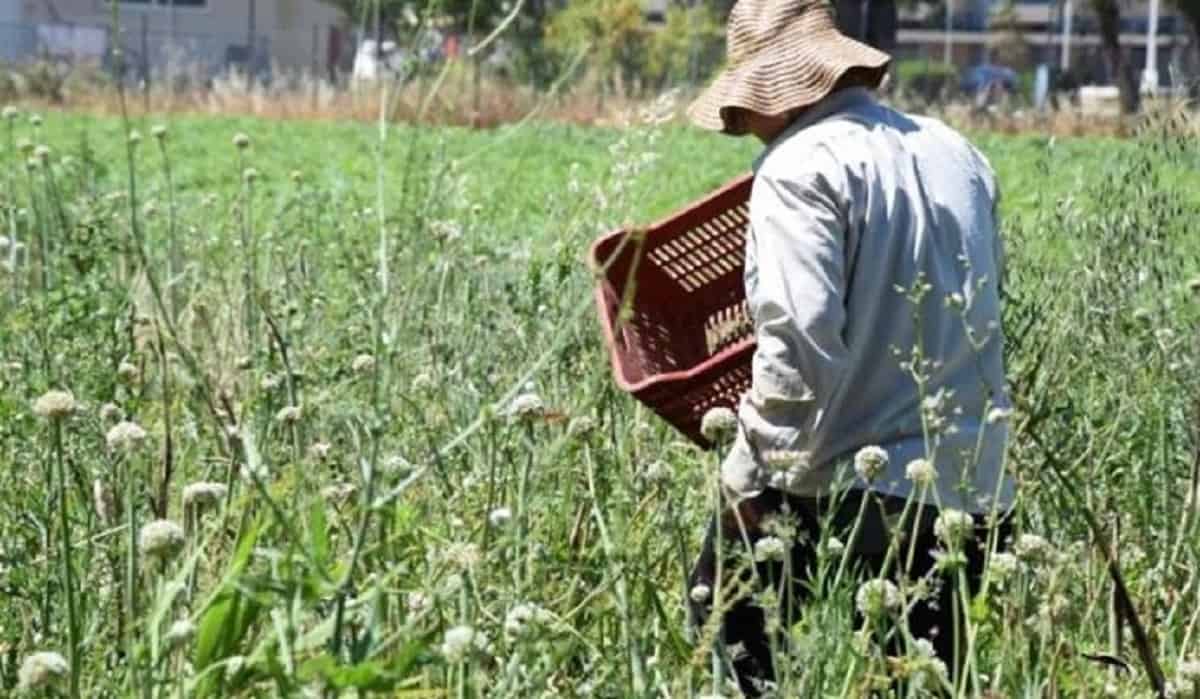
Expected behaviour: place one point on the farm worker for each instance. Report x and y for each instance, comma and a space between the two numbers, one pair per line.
872, 275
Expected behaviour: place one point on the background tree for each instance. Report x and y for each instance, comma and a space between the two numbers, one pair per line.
1108, 12
520, 46
613, 32
481, 15
687, 49
1190, 9
1012, 47
364, 12
873, 22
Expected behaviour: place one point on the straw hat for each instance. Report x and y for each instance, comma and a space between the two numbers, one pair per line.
783, 55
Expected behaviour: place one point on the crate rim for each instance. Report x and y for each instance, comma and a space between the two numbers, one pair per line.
594, 248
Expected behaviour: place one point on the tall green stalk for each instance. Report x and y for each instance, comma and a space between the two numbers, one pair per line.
173, 252
249, 255
68, 571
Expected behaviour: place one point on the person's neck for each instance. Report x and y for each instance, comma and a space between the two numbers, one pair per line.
798, 118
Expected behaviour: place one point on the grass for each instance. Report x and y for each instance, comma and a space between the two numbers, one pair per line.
331, 343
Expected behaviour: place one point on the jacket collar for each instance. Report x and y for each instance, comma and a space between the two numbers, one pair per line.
841, 102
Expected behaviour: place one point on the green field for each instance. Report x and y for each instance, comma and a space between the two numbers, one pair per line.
332, 324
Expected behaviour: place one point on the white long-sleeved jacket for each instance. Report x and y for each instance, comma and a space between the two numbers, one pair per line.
856, 210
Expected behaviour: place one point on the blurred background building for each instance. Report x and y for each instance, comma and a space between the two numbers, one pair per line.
653, 43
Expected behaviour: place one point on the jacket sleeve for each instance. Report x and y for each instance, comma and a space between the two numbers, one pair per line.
795, 287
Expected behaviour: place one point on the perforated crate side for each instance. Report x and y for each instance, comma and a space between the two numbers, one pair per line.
682, 400
687, 344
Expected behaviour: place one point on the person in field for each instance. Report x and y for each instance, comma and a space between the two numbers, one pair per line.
873, 273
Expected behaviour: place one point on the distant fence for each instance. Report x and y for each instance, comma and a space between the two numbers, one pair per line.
147, 54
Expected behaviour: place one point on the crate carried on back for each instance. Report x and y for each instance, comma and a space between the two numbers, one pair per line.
672, 304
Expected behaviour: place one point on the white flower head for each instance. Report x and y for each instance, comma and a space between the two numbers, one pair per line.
446, 230
527, 406
319, 451
786, 481
233, 665
877, 597
700, 594
54, 405
719, 425
786, 468
1004, 565
924, 648
127, 372
927, 661
339, 492
1031, 548
1193, 285
462, 554
159, 131
42, 153
921, 472
11, 113
161, 539
422, 382
289, 414
953, 526
180, 633
241, 141
657, 473
525, 618
835, 546
40, 670
769, 548
458, 643
500, 517
362, 364
204, 493
395, 465
581, 427
111, 412
786, 460
1189, 670
870, 462
125, 436
418, 603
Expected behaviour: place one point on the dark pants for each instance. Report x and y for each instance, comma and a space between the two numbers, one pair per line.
745, 622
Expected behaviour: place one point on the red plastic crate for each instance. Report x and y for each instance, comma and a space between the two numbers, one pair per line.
686, 341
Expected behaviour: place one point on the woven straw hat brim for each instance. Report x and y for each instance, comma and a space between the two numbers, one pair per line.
799, 69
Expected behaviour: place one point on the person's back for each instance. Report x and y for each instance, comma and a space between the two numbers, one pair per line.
872, 276
915, 208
